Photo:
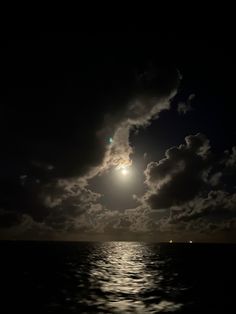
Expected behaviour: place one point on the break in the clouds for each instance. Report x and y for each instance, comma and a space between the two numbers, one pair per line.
139, 113
62, 201
140, 108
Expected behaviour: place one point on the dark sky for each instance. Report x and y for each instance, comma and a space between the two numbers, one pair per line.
79, 108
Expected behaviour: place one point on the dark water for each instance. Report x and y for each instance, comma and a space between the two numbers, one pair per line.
117, 277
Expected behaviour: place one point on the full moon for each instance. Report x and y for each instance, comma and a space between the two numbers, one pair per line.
124, 171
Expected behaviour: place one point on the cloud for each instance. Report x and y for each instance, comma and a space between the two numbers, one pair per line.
217, 205
139, 113
181, 197
184, 107
70, 195
230, 160
181, 175
188, 192
44, 166
144, 104
25, 227
214, 180
146, 101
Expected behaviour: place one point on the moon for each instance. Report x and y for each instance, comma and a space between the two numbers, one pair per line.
124, 171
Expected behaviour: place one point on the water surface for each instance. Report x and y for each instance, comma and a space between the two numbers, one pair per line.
117, 277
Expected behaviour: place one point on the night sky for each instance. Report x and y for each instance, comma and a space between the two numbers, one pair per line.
127, 136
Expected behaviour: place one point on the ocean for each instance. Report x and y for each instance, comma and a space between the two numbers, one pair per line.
117, 277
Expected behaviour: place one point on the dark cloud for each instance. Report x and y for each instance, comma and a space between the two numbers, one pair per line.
74, 102
72, 194
59, 121
24, 227
181, 175
217, 206
184, 107
215, 178
230, 160
183, 192
8, 218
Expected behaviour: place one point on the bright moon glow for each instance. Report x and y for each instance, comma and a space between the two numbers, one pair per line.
124, 171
